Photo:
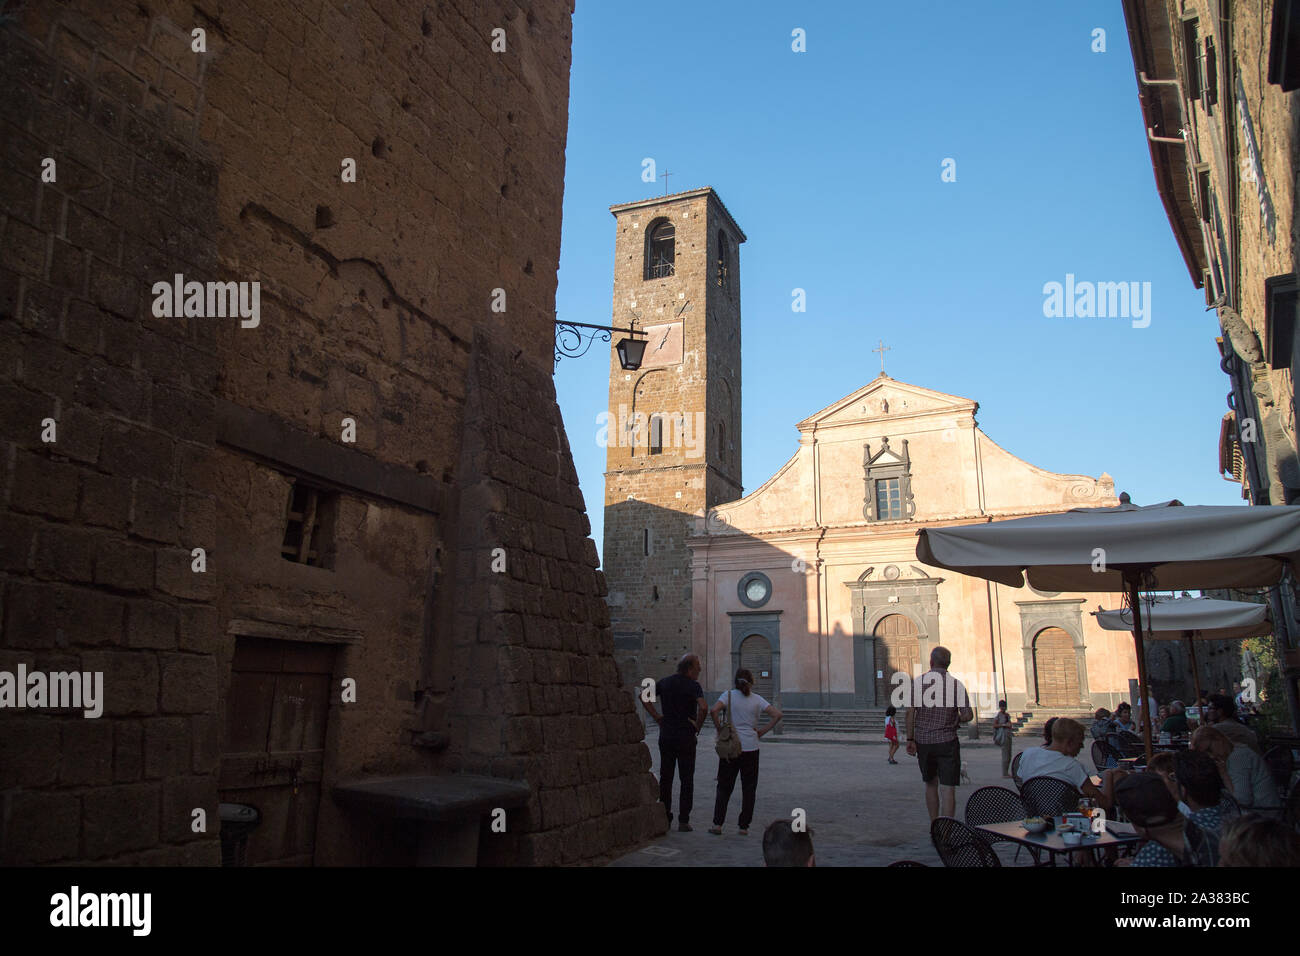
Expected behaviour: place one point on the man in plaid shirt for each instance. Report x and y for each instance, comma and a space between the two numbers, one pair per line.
938, 705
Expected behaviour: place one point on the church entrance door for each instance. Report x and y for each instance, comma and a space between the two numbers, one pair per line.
1056, 670
898, 648
756, 656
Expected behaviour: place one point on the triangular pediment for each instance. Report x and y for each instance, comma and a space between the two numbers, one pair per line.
885, 399
886, 458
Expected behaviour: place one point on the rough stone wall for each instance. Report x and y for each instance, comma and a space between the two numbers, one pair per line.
98, 525
375, 295
536, 688
1264, 251
651, 593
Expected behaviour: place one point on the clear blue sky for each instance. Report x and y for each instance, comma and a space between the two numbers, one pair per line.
830, 160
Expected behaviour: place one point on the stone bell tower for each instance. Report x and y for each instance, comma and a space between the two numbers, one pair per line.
673, 447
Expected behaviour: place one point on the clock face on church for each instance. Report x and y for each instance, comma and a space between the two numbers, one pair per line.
663, 345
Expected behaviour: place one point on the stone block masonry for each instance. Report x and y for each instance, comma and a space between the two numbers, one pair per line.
226, 163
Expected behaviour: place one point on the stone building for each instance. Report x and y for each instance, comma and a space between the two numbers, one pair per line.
812, 581
1216, 84
329, 554
673, 430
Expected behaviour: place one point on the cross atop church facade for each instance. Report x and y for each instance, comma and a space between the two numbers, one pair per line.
664, 176
882, 350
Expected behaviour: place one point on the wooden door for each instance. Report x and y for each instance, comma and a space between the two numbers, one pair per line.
898, 648
275, 744
756, 655
1056, 668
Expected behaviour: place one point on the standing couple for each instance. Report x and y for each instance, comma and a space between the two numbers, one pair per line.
683, 715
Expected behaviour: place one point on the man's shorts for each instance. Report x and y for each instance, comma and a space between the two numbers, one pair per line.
942, 759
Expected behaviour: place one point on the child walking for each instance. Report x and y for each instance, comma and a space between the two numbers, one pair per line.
891, 731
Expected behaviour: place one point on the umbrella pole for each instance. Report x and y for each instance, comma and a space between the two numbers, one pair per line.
1196, 675
1131, 579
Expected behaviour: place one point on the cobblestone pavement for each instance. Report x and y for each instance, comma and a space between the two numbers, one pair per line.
862, 810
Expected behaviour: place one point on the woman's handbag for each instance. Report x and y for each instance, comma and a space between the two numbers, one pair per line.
728, 745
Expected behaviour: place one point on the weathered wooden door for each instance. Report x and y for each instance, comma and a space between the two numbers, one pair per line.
898, 648
275, 743
756, 655
1056, 668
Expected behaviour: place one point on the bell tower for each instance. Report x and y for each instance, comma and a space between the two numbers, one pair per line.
673, 440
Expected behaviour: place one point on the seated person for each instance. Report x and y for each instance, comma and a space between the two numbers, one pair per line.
1176, 723
1047, 731
1243, 771
1251, 840
1123, 718
1201, 790
1058, 760
1222, 714
782, 846
1162, 763
1101, 724
1171, 840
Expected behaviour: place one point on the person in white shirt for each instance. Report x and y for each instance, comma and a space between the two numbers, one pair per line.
1058, 760
744, 708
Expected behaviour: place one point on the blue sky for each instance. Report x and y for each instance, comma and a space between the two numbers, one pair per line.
831, 162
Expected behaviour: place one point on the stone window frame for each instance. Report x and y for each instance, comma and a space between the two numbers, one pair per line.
668, 267
744, 583
872, 473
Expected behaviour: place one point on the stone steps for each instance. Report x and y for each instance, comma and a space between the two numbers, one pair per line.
1033, 726
866, 721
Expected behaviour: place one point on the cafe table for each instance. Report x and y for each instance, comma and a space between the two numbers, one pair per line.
1117, 835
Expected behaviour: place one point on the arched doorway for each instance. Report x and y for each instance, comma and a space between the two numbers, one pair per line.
898, 648
756, 656
1056, 668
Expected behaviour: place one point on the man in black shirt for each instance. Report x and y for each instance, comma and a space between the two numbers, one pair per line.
684, 710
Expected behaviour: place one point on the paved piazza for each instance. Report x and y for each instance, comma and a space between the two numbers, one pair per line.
862, 810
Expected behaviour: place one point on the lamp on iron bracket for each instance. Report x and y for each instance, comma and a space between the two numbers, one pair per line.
573, 343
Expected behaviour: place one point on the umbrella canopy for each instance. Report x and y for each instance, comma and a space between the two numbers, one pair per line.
1158, 547
1207, 619
1174, 547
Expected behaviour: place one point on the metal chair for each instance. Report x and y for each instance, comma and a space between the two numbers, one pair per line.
906, 863
1281, 764
1049, 797
1103, 756
1126, 744
959, 845
1015, 768
994, 805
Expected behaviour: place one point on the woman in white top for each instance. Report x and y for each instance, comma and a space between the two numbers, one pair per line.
743, 709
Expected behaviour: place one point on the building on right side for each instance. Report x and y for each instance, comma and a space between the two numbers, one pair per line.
1215, 81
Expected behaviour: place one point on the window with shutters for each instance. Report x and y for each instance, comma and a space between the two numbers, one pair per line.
309, 526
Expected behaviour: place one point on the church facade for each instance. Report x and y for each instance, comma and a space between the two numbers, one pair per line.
812, 581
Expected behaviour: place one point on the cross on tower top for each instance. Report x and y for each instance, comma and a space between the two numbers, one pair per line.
882, 350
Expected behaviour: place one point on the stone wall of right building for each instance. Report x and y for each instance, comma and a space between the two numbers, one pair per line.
1221, 118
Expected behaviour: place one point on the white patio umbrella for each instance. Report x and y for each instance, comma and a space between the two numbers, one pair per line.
1192, 619
1125, 548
